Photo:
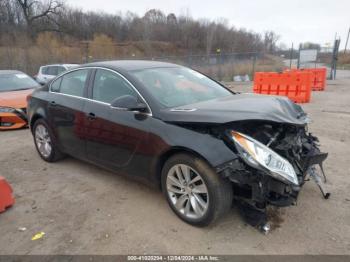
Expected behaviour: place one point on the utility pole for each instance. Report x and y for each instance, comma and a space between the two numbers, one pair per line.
300, 47
85, 46
333, 72
291, 56
254, 64
347, 40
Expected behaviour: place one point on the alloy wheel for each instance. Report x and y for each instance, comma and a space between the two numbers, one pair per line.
187, 191
43, 140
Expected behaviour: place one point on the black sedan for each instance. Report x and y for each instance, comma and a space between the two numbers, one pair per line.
180, 131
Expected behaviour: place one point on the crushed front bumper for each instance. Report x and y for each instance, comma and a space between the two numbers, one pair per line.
255, 190
258, 188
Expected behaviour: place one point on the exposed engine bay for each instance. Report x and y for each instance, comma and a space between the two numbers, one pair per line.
295, 144
256, 188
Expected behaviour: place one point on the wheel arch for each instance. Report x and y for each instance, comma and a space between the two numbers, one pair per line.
35, 113
168, 154
33, 119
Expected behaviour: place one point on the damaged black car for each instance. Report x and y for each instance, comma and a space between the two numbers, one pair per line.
204, 145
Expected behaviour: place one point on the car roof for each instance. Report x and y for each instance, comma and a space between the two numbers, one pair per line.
10, 72
61, 65
130, 65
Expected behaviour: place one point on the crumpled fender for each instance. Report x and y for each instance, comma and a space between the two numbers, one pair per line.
212, 149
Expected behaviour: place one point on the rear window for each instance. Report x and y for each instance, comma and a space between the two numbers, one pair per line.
72, 83
60, 69
55, 86
44, 70
18, 81
52, 70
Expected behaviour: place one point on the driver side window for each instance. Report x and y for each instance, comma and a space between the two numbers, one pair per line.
109, 86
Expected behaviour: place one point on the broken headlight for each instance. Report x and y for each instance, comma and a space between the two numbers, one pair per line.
260, 156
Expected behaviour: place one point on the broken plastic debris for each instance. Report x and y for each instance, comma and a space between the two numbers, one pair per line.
237, 79
266, 228
318, 180
38, 235
22, 229
243, 78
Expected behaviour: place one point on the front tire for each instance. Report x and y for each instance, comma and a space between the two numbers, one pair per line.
45, 143
194, 191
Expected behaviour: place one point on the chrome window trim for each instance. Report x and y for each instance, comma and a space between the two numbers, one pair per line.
183, 109
93, 100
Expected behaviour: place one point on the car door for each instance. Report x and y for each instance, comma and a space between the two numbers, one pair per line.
66, 102
112, 135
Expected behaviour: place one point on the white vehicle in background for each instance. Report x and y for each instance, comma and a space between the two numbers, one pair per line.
48, 72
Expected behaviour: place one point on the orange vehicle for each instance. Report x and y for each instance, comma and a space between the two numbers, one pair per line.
15, 86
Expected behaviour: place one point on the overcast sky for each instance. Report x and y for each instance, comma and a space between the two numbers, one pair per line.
294, 20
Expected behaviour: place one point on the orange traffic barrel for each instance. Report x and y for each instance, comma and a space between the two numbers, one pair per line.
6, 197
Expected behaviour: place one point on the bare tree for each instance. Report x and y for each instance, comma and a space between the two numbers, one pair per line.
270, 40
34, 11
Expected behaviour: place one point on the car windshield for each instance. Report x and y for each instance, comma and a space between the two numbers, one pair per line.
17, 81
179, 86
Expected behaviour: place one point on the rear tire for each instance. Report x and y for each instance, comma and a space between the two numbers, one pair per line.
198, 203
45, 142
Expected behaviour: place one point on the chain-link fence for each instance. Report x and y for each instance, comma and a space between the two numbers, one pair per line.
220, 66
224, 66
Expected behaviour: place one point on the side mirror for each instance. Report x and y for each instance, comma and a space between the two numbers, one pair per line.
129, 103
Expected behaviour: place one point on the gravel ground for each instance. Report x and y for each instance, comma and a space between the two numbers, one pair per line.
86, 210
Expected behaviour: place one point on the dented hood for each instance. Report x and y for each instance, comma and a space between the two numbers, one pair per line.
238, 107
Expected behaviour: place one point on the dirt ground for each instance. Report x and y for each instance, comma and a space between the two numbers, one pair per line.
86, 210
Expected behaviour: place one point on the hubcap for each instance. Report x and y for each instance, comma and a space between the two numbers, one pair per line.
43, 141
187, 191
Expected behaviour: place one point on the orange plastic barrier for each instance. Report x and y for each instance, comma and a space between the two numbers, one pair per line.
6, 198
296, 85
318, 79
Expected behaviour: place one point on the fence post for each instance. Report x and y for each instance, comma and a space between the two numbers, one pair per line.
189, 60
291, 56
298, 65
218, 62
333, 72
254, 64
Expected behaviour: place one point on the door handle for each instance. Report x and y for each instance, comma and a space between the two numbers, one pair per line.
91, 116
53, 103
